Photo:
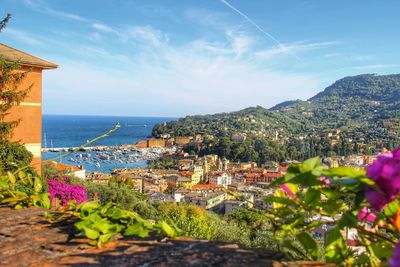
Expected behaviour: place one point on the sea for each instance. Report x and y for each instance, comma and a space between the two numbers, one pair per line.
73, 131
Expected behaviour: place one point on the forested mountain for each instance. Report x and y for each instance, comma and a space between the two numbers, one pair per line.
364, 107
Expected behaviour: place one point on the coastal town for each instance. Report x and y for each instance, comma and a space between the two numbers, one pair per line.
209, 181
199, 133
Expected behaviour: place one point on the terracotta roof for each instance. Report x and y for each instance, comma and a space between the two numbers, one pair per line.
204, 186
272, 174
15, 55
186, 173
65, 167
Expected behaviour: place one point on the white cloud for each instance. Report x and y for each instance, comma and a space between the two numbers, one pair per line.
144, 34
375, 66
240, 42
102, 27
197, 77
42, 7
295, 47
22, 37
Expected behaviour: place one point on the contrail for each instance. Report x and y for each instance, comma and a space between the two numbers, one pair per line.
260, 29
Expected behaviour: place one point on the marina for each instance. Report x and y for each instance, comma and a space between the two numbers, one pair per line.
105, 158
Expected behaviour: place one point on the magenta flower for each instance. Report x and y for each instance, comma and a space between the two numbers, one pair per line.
365, 215
325, 180
66, 192
385, 171
395, 260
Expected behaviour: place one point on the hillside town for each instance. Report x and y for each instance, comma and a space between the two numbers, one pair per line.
211, 182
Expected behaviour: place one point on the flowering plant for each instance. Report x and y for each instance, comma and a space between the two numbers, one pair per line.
343, 215
66, 192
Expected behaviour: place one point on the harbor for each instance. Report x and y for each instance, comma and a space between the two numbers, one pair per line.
106, 158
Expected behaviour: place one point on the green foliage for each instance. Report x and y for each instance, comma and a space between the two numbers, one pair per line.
4, 22
366, 108
13, 155
20, 189
100, 223
332, 202
11, 94
162, 163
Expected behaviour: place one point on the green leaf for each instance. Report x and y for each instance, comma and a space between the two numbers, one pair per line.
359, 198
168, 230
335, 247
90, 233
280, 200
115, 213
330, 193
46, 200
308, 244
105, 238
391, 209
310, 164
102, 226
345, 172
37, 185
348, 220
11, 178
88, 207
134, 229
21, 176
288, 245
312, 196
382, 250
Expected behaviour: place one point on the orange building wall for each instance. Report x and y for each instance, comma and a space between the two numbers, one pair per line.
29, 130
155, 143
141, 144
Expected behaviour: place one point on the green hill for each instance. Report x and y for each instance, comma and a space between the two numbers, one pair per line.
366, 107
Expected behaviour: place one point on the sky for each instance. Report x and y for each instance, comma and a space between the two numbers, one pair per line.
173, 58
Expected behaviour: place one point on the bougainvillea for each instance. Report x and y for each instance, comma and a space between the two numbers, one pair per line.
385, 171
66, 192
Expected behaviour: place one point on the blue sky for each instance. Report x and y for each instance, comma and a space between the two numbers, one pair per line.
174, 58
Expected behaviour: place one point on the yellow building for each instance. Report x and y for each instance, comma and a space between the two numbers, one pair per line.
178, 181
155, 143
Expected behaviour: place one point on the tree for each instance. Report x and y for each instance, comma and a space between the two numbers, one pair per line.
4, 21
13, 155
10, 92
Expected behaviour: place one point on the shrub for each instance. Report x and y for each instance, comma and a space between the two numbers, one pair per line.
13, 156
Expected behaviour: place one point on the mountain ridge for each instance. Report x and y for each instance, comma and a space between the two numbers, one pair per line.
368, 102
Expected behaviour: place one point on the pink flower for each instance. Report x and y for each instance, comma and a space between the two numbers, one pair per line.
365, 215
325, 180
395, 260
385, 171
288, 191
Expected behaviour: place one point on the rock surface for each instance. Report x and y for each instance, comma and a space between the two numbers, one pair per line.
27, 239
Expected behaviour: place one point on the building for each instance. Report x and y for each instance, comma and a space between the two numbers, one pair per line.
233, 205
182, 140
29, 130
141, 144
195, 175
78, 172
185, 164
223, 179
155, 143
178, 181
